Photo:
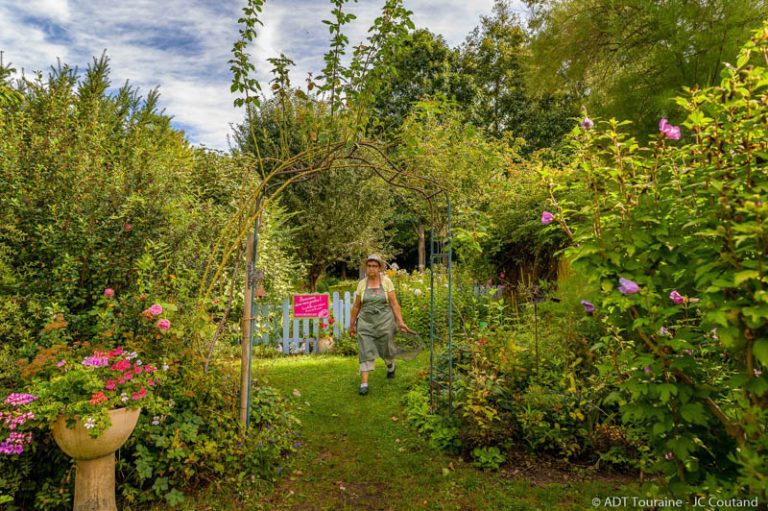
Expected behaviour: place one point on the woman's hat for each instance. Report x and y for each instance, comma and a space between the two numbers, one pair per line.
378, 259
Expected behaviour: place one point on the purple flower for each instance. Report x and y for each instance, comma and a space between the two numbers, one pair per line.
589, 308
668, 130
628, 287
587, 123
676, 297
547, 217
17, 399
61, 363
664, 331
96, 361
156, 309
648, 370
15, 443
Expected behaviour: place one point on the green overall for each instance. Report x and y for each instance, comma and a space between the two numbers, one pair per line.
375, 326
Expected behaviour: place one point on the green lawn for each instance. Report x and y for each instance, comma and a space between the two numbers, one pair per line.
359, 452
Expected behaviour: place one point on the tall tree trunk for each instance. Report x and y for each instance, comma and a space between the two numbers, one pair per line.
422, 247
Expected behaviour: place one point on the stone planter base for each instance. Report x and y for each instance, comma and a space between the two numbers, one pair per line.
325, 344
95, 467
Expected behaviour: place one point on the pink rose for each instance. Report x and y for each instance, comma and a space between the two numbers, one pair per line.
156, 309
163, 324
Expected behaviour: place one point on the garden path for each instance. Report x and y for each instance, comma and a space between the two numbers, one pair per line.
358, 452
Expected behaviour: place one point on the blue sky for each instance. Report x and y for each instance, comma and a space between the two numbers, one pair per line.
182, 46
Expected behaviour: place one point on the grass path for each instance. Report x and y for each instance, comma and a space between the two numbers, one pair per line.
359, 452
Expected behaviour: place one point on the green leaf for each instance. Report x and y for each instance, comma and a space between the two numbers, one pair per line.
174, 497
745, 275
693, 413
665, 390
760, 351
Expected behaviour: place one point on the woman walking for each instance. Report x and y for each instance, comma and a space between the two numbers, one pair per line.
374, 319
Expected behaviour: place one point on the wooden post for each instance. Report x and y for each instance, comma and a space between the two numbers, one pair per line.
245, 364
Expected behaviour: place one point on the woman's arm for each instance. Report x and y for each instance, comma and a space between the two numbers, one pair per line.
396, 311
353, 316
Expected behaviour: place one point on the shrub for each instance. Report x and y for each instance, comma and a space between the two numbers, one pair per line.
672, 235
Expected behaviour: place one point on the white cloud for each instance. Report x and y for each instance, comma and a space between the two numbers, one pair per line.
57, 10
183, 46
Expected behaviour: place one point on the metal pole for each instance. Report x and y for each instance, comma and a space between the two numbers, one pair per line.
450, 312
431, 321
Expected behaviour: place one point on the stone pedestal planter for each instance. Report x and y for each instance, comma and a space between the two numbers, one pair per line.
95, 469
325, 344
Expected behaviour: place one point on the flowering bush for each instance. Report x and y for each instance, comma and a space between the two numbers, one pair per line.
681, 230
82, 386
14, 414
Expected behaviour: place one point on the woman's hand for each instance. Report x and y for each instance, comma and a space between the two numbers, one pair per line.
353, 329
404, 328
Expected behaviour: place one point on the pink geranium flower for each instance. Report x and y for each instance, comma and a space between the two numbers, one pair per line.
547, 217
156, 309
163, 324
109, 292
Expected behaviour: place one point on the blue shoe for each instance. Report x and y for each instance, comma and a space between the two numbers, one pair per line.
363, 391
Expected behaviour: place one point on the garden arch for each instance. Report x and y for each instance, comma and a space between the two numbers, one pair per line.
358, 156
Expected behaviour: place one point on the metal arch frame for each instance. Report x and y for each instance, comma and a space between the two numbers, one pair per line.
433, 256
302, 167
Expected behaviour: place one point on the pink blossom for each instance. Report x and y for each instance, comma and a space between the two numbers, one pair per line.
669, 456
587, 123
676, 297
589, 308
648, 370
109, 292
16, 399
156, 309
97, 360
163, 324
547, 217
127, 227
668, 130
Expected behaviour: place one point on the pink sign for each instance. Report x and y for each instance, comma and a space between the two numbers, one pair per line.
310, 306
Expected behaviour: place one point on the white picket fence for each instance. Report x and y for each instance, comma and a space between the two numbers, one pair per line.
275, 325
